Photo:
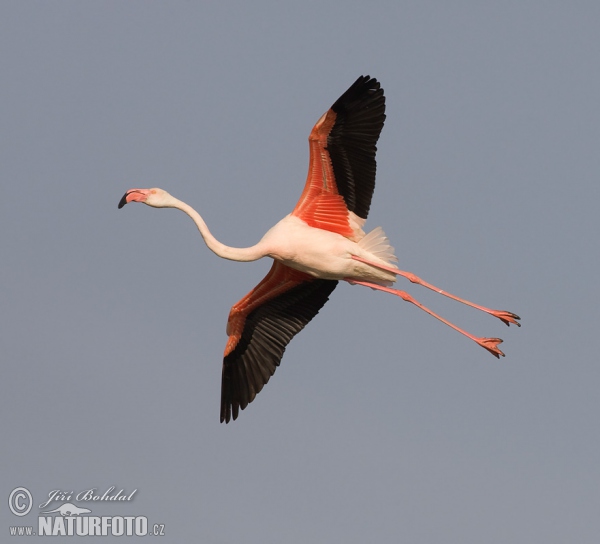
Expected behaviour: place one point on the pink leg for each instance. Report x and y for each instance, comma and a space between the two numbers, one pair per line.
491, 344
504, 316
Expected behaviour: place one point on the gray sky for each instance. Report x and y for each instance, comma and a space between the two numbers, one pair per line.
381, 424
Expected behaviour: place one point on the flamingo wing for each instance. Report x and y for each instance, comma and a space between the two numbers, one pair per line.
260, 326
341, 174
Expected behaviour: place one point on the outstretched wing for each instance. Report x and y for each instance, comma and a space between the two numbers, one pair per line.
260, 326
341, 174
336, 197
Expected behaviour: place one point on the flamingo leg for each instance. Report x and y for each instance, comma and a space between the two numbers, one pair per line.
491, 344
503, 315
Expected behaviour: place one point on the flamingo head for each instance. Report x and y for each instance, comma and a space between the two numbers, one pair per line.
157, 198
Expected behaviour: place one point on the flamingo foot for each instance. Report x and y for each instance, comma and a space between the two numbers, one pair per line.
491, 344
506, 317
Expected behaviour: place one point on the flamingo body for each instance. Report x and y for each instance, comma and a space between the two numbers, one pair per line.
318, 244
324, 254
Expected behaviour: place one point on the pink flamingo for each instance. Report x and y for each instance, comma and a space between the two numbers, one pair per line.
319, 243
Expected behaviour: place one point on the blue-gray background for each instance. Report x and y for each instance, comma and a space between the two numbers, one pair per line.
382, 424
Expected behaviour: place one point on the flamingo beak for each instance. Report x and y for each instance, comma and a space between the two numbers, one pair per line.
133, 195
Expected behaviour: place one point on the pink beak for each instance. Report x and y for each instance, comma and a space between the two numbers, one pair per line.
134, 195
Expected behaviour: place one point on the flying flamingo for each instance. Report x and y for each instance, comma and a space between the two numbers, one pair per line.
318, 244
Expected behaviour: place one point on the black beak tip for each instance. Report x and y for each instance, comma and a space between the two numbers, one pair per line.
123, 201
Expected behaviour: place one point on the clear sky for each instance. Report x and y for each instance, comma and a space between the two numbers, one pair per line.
381, 425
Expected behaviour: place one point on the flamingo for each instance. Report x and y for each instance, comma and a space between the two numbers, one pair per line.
320, 243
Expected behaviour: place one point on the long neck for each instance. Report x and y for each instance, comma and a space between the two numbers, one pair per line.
232, 253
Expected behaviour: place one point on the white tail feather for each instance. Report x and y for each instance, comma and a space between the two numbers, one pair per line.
377, 243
